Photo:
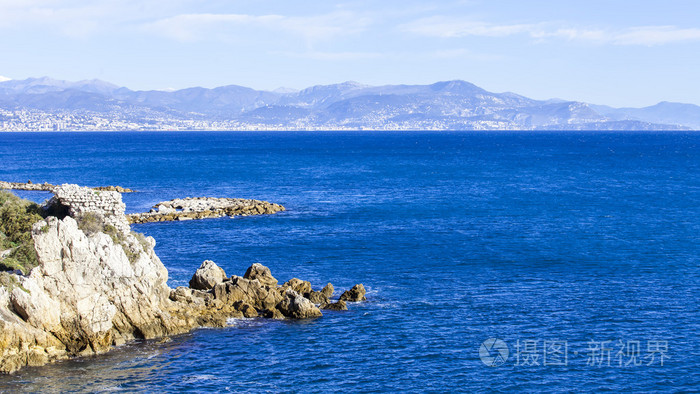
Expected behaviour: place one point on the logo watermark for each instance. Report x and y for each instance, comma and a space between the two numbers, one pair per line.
494, 352
619, 353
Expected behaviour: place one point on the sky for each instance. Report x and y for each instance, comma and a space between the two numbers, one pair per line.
614, 52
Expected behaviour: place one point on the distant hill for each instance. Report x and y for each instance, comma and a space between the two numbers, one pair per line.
450, 105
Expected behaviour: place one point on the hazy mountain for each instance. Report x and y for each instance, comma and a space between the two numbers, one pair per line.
46, 84
442, 105
225, 101
664, 112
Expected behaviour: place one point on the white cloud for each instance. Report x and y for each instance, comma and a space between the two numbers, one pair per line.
76, 18
443, 27
68, 17
4, 79
452, 28
332, 56
193, 27
462, 53
656, 35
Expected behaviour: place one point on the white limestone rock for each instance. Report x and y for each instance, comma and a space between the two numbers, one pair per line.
207, 276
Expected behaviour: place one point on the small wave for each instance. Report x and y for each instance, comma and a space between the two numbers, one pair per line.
244, 322
382, 304
199, 378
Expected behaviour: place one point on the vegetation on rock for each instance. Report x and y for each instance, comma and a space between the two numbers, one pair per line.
16, 219
92, 223
10, 282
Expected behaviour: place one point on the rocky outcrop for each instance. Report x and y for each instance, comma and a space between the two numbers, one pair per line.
117, 189
49, 187
294, 305
336, 306
26, 186
317, 297
93, 290
262, 274
356, 294
84, 297
249, 291
298, 285
207, 276
321, 297
204, 207
328, 290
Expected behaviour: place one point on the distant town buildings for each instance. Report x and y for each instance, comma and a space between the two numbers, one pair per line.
35, 120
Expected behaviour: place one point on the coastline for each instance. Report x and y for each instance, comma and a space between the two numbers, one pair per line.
29, 185
98, 285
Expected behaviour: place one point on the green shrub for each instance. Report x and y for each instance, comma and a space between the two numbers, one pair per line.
10, 282
91, 223
142, 240
10, 264
132, 255
113, 233
17, 216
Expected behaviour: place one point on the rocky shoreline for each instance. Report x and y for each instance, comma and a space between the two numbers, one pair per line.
99, 285
204, 207
190, 208
50, 188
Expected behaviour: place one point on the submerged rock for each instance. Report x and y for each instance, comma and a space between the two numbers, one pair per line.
337, 306
207, 276
356, 294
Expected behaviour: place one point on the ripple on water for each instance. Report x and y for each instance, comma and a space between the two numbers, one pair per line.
541, 236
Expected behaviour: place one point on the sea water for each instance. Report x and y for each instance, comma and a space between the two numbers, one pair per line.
493, 261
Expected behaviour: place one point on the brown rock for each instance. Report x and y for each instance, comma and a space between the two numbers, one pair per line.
273, 314
356, 294
247, 290
337, 306
245, 308
295, 306
298, 285
328, 290
317, 297
262, 274
207, 276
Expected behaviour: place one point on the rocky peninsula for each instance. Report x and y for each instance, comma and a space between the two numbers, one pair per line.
93, 283
29, 185
204, 207
189, 208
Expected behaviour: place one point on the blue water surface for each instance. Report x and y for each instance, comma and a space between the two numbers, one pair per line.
558, 244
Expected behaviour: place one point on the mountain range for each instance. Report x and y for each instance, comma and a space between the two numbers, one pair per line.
49, 104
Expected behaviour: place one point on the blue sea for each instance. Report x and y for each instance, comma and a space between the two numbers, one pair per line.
493, 261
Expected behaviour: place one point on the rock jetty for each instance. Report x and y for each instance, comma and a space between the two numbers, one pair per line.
49, 187
99, 285
204, 207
